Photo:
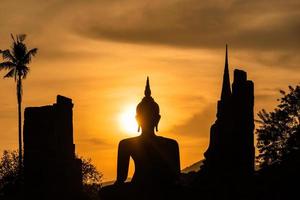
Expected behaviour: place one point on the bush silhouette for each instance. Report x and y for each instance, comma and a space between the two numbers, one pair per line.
279, 131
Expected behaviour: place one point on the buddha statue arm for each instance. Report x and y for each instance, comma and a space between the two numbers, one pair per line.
123, 162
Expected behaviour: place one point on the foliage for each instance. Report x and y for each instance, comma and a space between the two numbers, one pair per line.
10, 178
279, 131
92, 179
90, 175
17, 58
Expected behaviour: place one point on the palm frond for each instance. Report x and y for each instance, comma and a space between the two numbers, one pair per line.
6, 55
12, 36
10, 74
19, 51
17, 58
24, 70
21, 37
7, 65
31, 52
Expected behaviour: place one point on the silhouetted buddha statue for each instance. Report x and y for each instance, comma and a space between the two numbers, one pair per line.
156, 158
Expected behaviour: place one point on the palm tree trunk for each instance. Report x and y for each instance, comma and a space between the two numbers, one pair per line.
19, 96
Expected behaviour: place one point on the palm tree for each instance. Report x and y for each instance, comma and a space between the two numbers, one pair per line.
15, 61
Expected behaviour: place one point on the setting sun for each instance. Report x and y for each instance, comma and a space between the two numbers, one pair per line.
127, 120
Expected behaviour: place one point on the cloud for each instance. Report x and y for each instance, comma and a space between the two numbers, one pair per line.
58, 27
96, 142
191, 23
198, 125
284, 59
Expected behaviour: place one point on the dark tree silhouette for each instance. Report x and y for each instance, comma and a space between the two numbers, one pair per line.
16, 61
92, 179
279, 131
9, 173
90, 175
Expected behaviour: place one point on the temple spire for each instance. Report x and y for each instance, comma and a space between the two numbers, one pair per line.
226, 91
147, 88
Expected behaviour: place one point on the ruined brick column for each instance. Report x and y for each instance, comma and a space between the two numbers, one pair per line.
51, 169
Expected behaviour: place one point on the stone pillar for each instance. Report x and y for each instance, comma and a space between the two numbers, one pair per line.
50, 168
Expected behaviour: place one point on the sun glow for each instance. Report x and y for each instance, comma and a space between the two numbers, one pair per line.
127, 120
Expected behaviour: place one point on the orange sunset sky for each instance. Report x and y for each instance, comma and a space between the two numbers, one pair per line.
99, 52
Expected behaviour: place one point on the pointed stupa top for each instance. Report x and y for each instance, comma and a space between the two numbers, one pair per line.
147, 88
226, 91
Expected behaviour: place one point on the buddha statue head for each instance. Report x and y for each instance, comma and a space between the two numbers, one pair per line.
147, 112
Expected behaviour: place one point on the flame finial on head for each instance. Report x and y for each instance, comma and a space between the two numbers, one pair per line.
147, 88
